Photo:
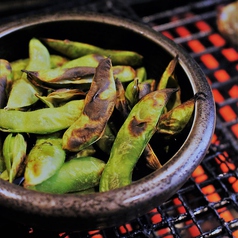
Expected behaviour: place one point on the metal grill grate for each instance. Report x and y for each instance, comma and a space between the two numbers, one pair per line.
207, 205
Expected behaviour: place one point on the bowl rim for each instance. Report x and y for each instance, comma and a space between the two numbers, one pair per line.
128, 197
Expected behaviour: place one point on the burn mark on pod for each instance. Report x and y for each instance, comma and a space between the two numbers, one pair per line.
80, 136
137, 127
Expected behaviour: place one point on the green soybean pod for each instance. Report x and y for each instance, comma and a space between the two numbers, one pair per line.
41, 121
74, 49
99, 105
132, 139
77, 174
14, 153
6, 77
23, 92
2, 162
44, 159
89, 60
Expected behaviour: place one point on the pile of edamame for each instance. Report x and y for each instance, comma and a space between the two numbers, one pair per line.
79, 121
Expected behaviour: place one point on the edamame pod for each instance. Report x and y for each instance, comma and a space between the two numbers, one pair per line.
61, 96
20, 64
121, 105
41, 121
57, 61
132, 93
175, 120
2, 162
78, 174
61, 78
89, 60
169, 80
14, 153
23, 92
99, 105
44, 160
74, 49
146, 87
132, 139
17, 67
6, 77
124, 73
141, 74
60, 75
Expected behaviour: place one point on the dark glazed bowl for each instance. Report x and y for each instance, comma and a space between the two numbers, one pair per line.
101, 210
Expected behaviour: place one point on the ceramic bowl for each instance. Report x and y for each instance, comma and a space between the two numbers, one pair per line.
101, 210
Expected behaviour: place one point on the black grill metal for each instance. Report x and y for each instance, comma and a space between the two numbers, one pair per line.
207, 205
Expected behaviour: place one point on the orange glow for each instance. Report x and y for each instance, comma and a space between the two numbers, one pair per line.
217, 40
234, 91
230, 54
95, 234
214, 139
125, 228
182, 31
209, 192
222, 75
234, 129
227, 113
168, 35
222, 160
155, 216
179, 205
199, 174
202, 26
196, 46
217, 96
235, 186
193, 229
162, 232
209, 61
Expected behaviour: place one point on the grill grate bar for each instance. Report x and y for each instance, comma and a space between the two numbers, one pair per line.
185, 8
186, 21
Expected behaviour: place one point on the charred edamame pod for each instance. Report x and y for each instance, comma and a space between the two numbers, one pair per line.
175, 120
99, 104
169, 80
74, 49
61, 78
41, 121
6, 78
124, 73
20, 64
61, 96
77, 174
132, 139
44, 159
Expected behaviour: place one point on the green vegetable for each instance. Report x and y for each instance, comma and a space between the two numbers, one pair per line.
78, 174
99, 105
14, 153
132, 139
23, 92
41, 121
74, 49
44, 160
